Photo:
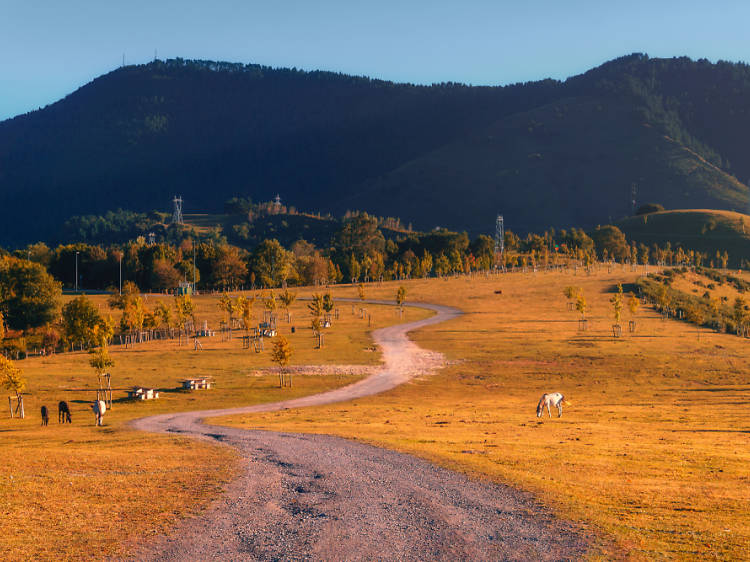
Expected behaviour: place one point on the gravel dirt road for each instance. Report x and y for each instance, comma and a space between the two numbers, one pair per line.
316, 497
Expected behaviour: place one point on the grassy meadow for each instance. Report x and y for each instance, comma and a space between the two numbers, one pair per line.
80, 492
653, 452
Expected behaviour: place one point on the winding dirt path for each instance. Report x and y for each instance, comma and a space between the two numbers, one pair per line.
316, 497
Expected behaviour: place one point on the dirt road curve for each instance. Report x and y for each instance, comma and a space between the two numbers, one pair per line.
310, 497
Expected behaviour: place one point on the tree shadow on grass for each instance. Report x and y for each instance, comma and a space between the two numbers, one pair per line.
720, 389
711, 431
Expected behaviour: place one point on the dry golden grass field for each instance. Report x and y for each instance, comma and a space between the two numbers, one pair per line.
653, 453
697, 285
81, 492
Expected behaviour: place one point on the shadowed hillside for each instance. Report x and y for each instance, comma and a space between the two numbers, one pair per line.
572, 162
544, 154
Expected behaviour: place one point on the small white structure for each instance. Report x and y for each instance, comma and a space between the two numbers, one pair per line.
141, 393
197, 384
266, 329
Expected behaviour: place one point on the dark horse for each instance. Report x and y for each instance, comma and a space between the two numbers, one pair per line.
63, 412
45, 415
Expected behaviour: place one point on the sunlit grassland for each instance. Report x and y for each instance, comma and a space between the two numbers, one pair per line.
696, 284
654, 451
77, 491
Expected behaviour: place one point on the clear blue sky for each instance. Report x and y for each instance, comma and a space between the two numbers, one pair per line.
48, 48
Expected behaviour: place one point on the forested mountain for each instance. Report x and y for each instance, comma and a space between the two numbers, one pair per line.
546, 153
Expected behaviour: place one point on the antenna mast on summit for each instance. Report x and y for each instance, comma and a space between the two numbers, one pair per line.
177, 210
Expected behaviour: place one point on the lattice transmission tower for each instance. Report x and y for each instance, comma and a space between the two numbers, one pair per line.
499, 240
177, 210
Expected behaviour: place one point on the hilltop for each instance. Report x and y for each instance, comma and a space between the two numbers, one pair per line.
703, 230
544, 153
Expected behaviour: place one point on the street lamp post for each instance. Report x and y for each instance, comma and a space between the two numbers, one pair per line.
76, 272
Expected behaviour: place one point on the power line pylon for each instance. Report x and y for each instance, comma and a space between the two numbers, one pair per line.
177, 210
500, 240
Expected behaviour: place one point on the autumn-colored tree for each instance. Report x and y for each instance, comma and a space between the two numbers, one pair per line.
270, 303
442, 265
133, 315
633, 304
184, 310
29, 296
272, 263
315, 306
129, 290
616, 301
245, 308
164, 275
724, 259
581, 304
282, 354
229, 269
334, 273
401, 296
50, 339
164, 314
425, 264
287, 298
739, 314
100, 359
11, 378
354, 268
317, 327
663, 297
571, 292
81, 321
328, 304
227, 305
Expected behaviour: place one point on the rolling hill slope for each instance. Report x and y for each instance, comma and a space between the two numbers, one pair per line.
703, 230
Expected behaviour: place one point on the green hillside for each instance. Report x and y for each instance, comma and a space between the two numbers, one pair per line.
703, 230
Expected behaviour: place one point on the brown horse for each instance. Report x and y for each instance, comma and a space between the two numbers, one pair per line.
45, 415
63, 412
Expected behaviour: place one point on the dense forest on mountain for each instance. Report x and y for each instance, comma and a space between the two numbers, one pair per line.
544, 154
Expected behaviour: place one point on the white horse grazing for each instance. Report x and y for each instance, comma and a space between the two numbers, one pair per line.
553, 399
99, 408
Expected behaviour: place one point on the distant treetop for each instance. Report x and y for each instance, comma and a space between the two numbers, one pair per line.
649, 208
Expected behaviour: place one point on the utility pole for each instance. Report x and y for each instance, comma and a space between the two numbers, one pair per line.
194, 267
120, 273
76, 271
